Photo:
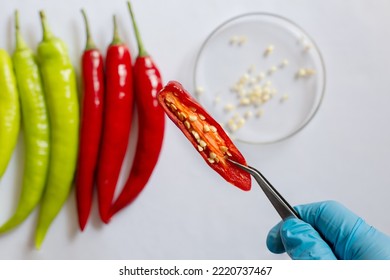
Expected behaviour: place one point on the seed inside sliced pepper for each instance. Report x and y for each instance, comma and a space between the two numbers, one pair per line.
200, 130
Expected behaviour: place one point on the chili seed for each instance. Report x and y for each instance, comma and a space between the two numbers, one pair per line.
168, 99
310, 71
272, 70
182, 116
260, 76
233, 40
206, 128
200, 149
284, 63
236, 116
240, 122
248, 114
251, 68
301, 72
306, 47
193, 118
202, 117
233, 127
259, 113
269, 50
213, 128
266, 97
242, 40
199, 90
202, 143
212, 155
244, 79
223, 149
245, 101
284, 98
187, 124
211, 160
241, 92
196, 134
229, 107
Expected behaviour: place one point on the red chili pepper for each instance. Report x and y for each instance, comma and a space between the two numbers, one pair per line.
205, 134
117, 121
91, 125
151, 124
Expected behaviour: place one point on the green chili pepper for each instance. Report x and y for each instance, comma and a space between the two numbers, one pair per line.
36, 130
9, 111
59, 82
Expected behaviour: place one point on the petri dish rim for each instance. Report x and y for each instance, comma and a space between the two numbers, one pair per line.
314, 45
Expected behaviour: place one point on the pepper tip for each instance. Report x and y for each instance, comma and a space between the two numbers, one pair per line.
42, 14
38, 244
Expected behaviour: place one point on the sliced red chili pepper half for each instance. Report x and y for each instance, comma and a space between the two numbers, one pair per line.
204, 133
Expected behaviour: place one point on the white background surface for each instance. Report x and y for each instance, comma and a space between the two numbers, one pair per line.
187, 211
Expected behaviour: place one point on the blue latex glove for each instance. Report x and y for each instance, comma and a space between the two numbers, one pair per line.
328, 231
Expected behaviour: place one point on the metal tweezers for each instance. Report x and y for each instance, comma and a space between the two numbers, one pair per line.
280, 204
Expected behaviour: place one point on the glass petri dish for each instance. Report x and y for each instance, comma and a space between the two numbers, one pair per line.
260, 76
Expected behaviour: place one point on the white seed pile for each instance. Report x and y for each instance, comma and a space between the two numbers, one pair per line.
253, 89
238, 40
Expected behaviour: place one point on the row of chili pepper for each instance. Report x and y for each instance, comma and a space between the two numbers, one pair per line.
64, 142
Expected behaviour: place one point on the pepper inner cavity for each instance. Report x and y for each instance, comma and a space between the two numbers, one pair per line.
205, 134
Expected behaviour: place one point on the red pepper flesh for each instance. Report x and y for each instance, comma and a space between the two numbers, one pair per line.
151, 123
204, 133
91, 126
117, 122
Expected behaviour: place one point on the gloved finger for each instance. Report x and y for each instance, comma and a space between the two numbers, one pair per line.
303, 242
300, 239
350, 236
274, 240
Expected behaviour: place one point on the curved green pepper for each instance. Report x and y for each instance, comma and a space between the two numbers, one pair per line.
9, 111
60, 88
36, 130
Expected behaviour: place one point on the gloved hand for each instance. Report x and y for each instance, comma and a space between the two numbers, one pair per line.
328, 231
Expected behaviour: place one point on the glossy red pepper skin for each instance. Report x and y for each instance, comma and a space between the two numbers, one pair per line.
92, 67
90, 131
116, 124
151, 124
227, 170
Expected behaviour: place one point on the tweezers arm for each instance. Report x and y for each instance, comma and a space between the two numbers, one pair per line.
277, 200
284, 209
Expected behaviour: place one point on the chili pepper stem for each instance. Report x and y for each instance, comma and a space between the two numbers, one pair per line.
90, 43
116, 39
20, 43
47, 34
141, 50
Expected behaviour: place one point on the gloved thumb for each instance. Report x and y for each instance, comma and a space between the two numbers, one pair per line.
300, 240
